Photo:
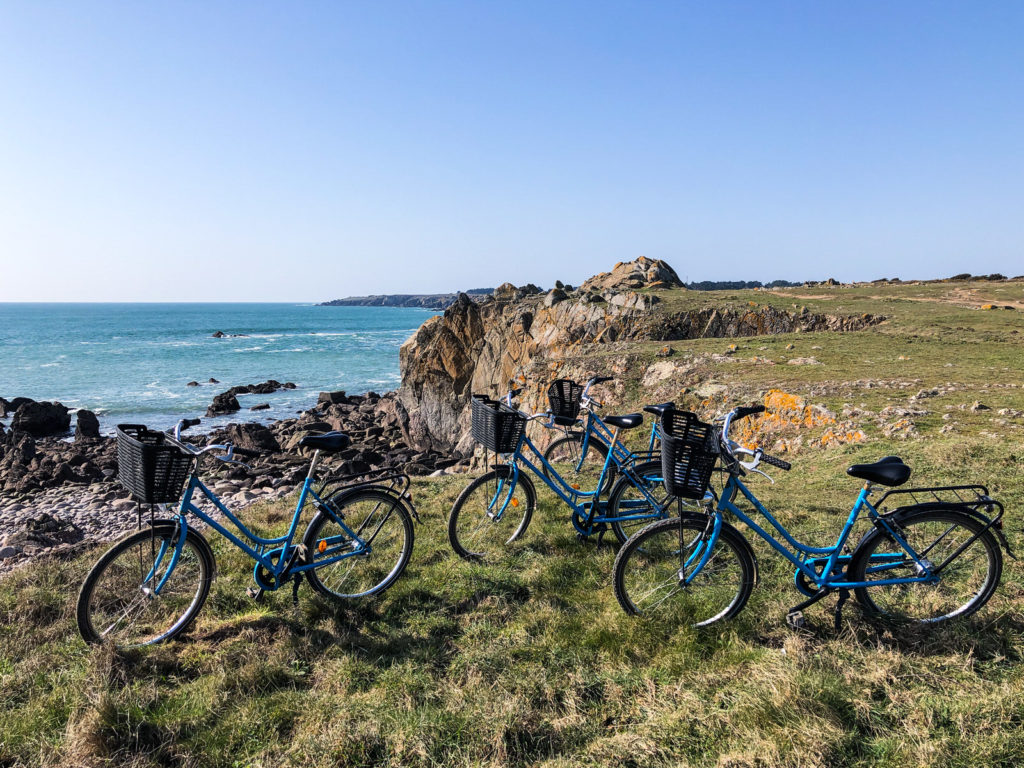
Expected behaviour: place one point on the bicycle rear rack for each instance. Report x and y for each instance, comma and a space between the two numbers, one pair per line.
981, 503
397, 482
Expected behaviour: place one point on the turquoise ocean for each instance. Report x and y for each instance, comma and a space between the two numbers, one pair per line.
130, 363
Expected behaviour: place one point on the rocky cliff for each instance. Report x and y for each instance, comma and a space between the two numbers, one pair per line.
479, 348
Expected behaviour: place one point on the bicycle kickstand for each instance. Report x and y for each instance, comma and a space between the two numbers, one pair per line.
844, 595
295, 589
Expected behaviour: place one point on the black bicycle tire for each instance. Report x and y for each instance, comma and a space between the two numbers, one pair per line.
862, 557
531, 504
728, 534
577, 437
202, 550
619, 488
309, 538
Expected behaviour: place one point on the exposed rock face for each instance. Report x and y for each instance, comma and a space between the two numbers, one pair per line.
41, 419
478, 348
87, 426
629, 275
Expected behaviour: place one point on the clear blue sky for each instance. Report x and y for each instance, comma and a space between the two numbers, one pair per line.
305, 151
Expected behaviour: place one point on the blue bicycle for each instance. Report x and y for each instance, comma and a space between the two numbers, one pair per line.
495, 509
580, 454
149, 586
926, 561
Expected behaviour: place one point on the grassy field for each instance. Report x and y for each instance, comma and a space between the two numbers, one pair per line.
530, 661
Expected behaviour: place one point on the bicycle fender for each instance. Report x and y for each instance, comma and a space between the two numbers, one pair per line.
166, 525
898, 514
404, 499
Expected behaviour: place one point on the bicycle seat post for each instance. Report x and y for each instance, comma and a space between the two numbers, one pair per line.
312, 464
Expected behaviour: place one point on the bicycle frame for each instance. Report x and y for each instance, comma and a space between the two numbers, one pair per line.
584, 504
338, 547
594, 427
803, 556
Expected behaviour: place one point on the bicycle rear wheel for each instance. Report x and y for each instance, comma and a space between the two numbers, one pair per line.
580, 470
118, 603
382, 522
935, 534
650, 569
490, 514
626, 499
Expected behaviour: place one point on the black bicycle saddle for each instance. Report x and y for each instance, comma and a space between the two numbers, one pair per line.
889, 471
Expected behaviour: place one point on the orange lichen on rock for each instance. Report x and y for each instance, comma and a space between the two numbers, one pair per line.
787, 414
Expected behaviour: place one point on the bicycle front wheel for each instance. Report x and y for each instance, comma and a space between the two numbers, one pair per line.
383, 524
491, 513
118, 600
960, 589
651, 570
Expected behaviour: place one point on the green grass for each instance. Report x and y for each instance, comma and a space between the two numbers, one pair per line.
530, 661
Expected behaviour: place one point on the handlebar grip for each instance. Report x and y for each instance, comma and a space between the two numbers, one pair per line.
776, 462
247, 453
748, 410
186, 423
515, 392
601, 379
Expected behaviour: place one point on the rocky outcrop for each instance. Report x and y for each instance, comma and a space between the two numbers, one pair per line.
480, 348
227, 402
223, 404
87, 426
41, 419
630, 275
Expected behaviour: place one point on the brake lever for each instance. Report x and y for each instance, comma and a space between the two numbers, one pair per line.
233, 461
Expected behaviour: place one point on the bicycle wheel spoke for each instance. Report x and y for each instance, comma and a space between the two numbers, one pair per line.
651, 574
368, 568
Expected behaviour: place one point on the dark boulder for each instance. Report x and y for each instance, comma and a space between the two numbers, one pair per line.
260, 407
288, 385
223, 403
42, 419
7, 407
253, 437
192, 384
87, 426
212, 380
218, 334
332, 398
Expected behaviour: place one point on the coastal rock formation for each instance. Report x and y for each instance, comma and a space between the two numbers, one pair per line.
630, 275
479, 348
87, 426
41, 419
223, 403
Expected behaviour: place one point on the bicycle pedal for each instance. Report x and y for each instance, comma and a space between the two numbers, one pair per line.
255, 593
795, 619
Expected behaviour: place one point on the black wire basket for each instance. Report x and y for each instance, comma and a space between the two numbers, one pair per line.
150, 464
689, 450
495, 426
564, 398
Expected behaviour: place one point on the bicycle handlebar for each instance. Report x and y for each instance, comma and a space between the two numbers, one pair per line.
774, 461
585, 398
